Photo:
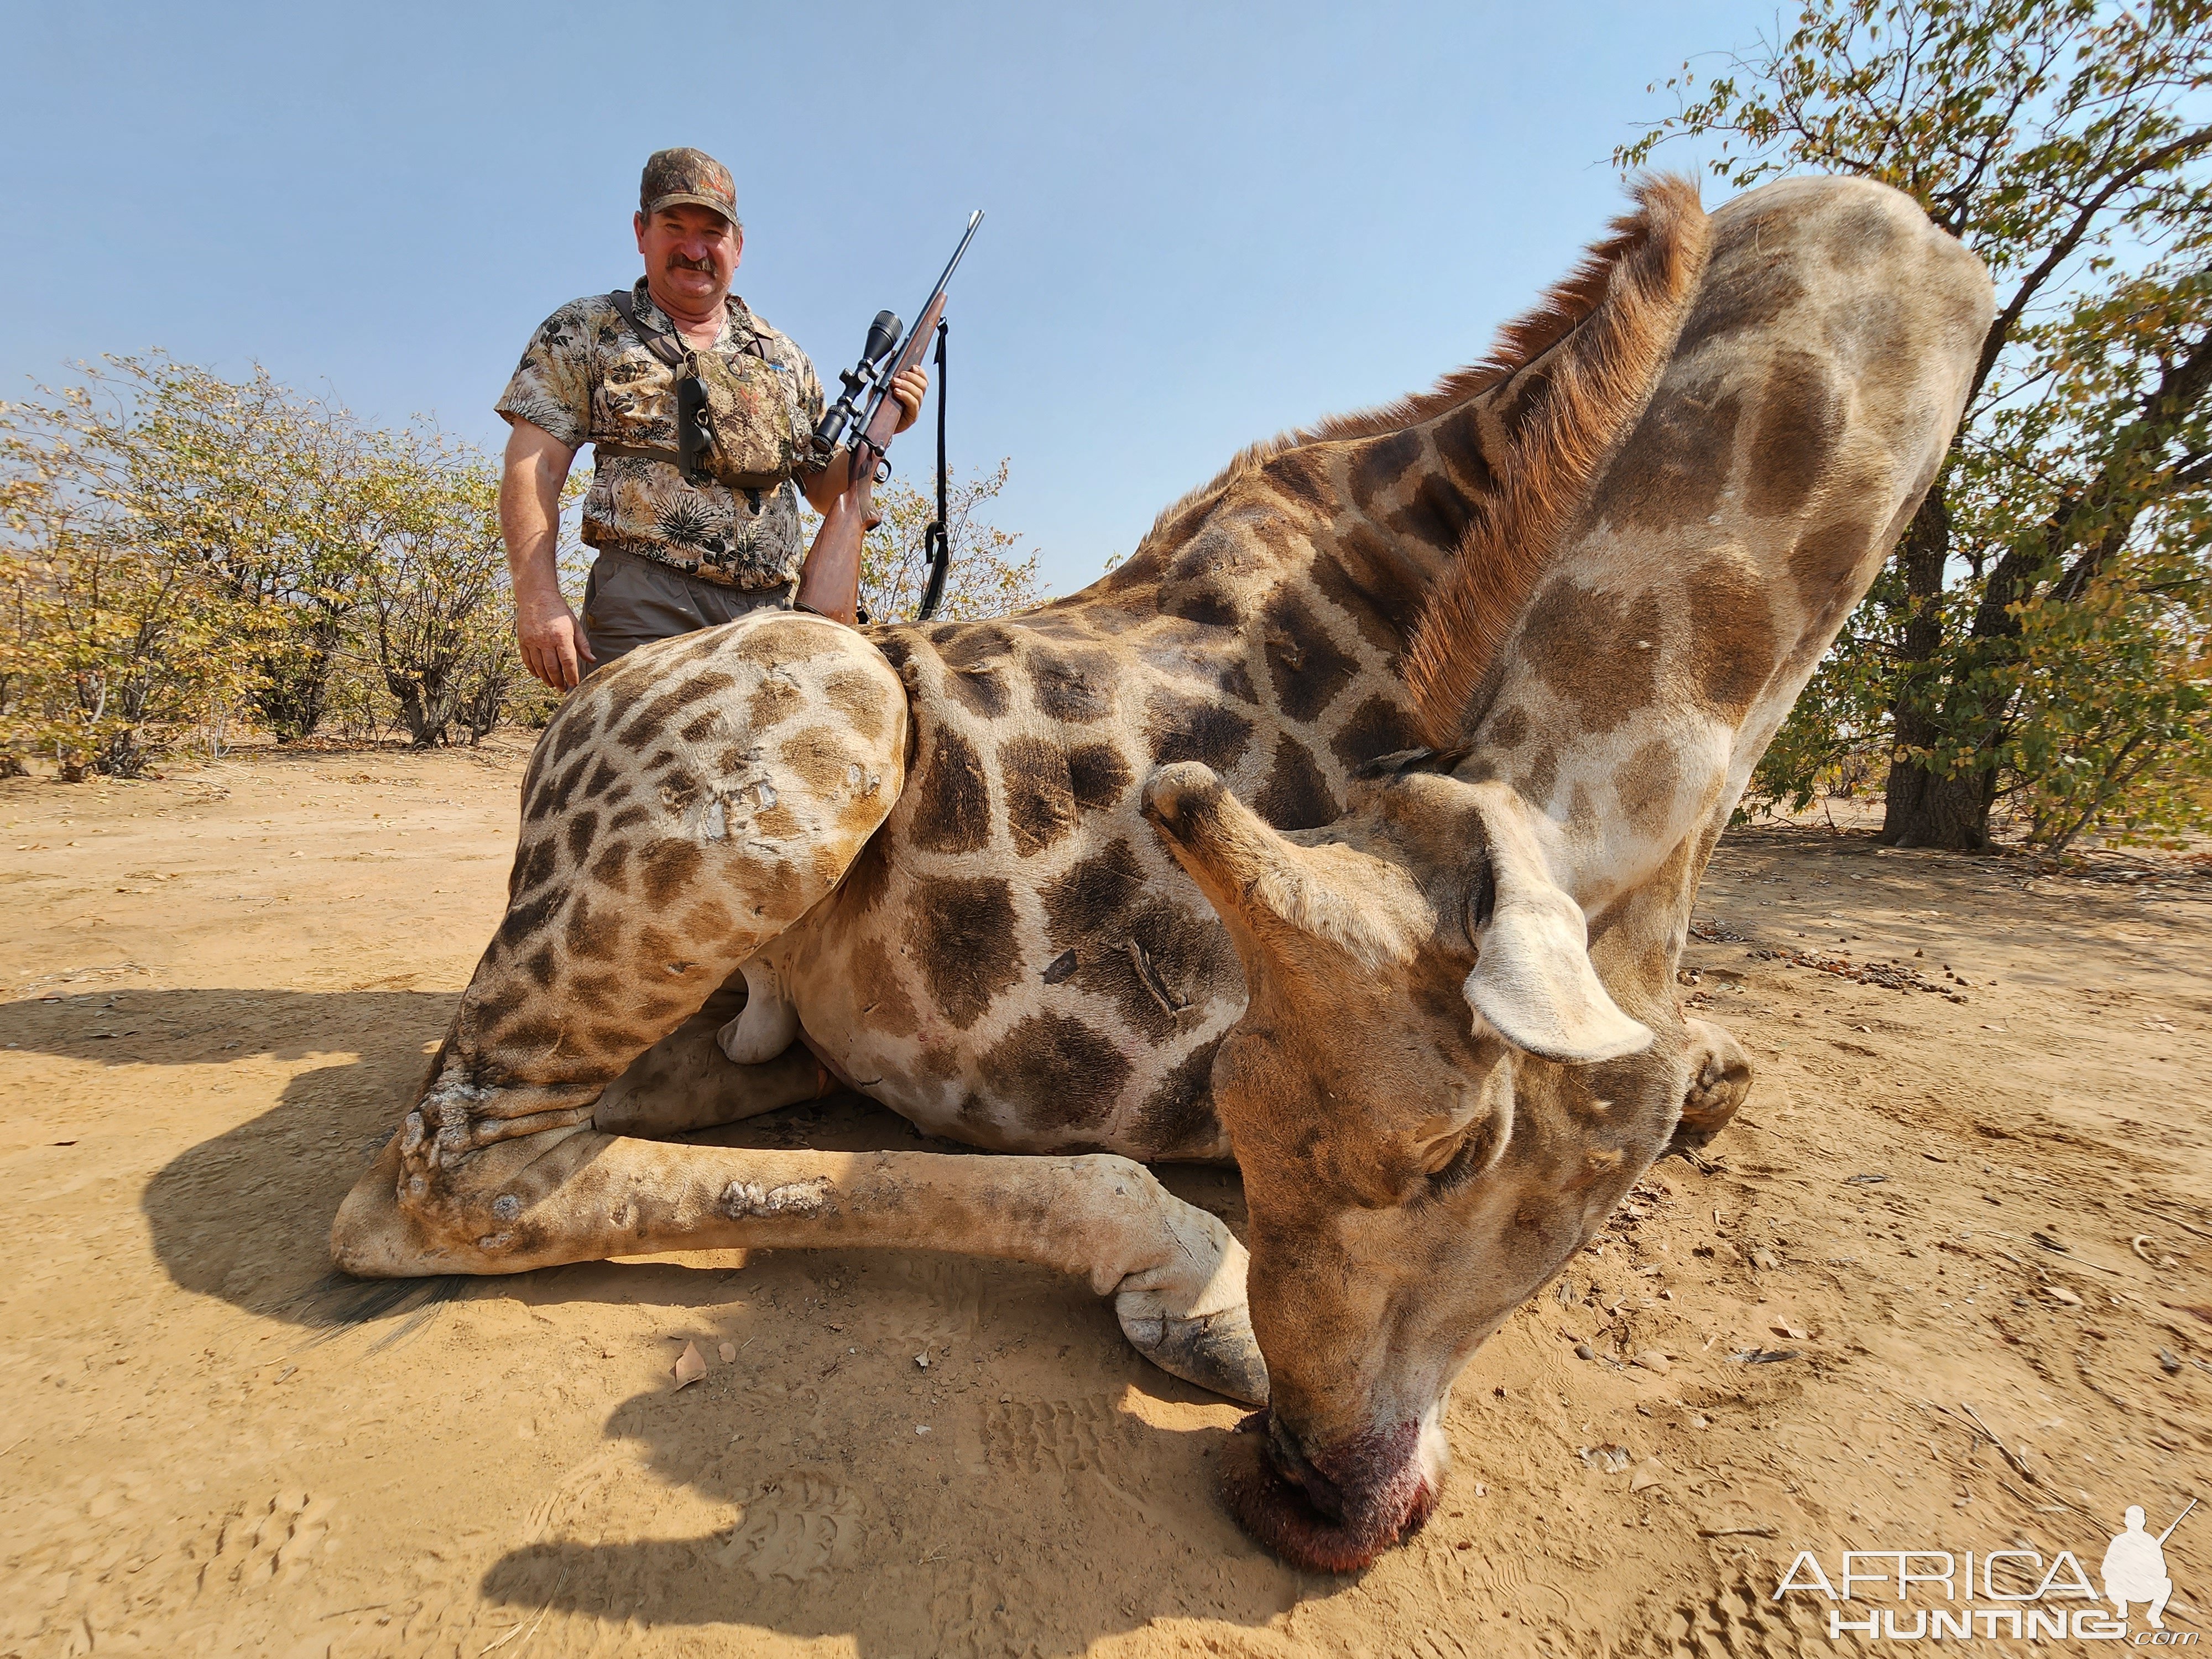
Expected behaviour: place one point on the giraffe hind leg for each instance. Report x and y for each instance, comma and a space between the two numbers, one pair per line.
679, 814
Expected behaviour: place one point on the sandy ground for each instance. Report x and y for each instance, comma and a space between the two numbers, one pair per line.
217, 988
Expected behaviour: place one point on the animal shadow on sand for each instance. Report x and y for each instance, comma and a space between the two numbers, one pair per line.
1012, 1495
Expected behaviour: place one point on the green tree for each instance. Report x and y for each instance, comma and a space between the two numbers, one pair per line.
436, 616
2040, 636
180, 554
120, 634
259, 484
988, 575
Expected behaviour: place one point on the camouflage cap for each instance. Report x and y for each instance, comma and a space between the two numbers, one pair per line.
677, 176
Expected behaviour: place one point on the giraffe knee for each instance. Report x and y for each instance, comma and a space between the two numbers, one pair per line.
768, 1025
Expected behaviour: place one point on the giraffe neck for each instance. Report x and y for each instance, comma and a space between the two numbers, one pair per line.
1369, 524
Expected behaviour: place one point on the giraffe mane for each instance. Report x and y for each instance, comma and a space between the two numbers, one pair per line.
1665, 241
1594, 346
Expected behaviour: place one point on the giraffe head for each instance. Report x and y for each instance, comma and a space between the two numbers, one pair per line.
1419, 987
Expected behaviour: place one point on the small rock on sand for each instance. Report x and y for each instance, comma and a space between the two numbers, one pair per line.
1653, 1361
1650, 1472
729, 1353
690, 1366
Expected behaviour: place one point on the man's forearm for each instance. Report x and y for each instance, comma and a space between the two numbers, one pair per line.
530, 524
825, 487
554, 648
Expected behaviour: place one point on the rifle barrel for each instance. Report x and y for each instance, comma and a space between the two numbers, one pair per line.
924, 324
2178, 1520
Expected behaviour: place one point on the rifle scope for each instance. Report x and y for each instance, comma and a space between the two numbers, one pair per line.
882, 339
871, 375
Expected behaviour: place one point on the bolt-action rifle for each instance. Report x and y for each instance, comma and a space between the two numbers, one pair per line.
829, 582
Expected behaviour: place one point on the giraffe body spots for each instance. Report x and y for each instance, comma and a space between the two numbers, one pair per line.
1177, 1117
1183, 728
1058, 1071
1378, 726
1824, 567
978, 687
1296, 795
952, 801
1076, 687
1304, 662
1732, 644
1158, 962
962, 933
1648, 783
882, 998
1506, 728
1098, 776
860, 698
1040, 793
1595, 650
777, 697
1801, 422
1675, 469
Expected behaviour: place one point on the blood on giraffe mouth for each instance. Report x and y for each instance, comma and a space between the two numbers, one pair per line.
1332, 1512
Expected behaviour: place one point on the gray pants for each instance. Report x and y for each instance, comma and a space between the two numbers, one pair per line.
630, 601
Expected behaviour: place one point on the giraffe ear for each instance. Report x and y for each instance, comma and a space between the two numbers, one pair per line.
1533, 982
1265, 884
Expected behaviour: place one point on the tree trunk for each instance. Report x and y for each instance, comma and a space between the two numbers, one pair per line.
1925, 808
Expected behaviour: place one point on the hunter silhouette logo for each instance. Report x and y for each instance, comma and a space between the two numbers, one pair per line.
2135, 1568
2013, 1594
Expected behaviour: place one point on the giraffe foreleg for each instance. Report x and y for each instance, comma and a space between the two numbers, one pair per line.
575, 1193
683, 1082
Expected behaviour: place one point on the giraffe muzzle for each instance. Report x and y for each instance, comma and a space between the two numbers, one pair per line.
1333, 1510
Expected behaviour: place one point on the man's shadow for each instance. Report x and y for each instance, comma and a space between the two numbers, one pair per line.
791, 1489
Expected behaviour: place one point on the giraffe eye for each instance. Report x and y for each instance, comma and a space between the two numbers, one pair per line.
1482, 900
1476, 1152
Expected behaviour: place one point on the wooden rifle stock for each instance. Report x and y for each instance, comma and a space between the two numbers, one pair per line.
830, 581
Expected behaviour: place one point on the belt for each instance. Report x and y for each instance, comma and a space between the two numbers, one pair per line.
638, 451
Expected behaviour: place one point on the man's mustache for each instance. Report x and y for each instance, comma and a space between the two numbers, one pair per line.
678, 261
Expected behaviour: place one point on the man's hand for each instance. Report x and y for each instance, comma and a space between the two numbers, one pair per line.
553, 646
821, 489
909, 388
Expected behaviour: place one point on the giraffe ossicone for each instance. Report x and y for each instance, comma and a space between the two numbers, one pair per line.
1349, 830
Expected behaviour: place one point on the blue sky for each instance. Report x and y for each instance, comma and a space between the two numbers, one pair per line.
1206, 222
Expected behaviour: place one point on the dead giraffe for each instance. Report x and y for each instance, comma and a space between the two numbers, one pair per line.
922, 849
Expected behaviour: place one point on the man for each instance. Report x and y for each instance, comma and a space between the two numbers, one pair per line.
678, 550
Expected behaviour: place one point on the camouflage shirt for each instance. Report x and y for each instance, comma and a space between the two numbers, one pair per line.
587, 378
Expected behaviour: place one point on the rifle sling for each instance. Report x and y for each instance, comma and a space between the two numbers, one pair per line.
669, 351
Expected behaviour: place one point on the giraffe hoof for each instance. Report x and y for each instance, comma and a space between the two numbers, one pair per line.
1215, 1351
